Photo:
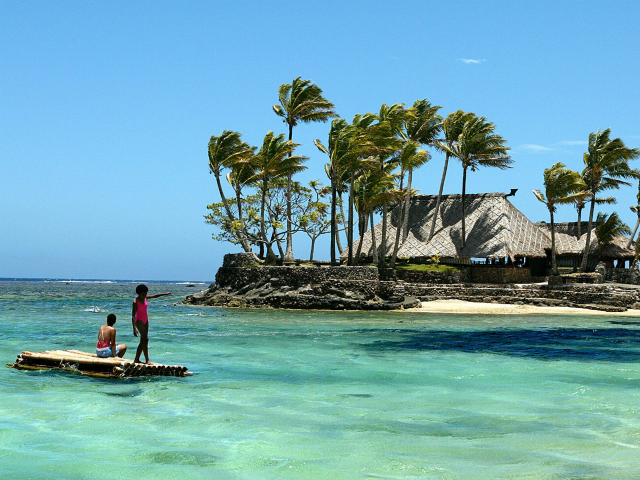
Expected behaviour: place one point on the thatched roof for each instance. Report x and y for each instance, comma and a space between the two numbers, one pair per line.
494, 229
567, 241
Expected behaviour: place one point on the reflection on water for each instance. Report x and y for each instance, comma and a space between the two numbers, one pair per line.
299, 395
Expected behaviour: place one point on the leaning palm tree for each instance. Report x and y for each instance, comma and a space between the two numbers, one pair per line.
225, 151
561, 185
300, 101
273, 161
606, 164
477, 146
451, 128
409, 158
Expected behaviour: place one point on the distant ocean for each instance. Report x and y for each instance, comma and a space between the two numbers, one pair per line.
317, 395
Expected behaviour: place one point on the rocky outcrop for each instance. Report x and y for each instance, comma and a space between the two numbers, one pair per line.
367, 288
327, 288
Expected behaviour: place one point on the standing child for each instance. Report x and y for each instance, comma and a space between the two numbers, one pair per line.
140, 320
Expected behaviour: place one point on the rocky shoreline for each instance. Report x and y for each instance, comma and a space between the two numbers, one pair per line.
367, 288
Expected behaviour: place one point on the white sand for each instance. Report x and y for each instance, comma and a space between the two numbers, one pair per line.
461, 306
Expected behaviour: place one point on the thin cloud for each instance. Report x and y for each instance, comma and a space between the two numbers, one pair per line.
472, 60
569, 143
535, 148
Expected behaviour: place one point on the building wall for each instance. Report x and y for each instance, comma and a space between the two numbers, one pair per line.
490, 274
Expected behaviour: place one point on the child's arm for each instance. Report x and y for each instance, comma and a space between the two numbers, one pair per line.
133, 318
156, 295
113, 343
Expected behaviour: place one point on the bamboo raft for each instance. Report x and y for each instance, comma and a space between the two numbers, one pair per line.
90, 364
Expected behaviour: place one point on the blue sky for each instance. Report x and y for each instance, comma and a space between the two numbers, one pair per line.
106, 109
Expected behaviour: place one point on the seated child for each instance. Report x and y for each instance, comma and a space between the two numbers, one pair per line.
107, 346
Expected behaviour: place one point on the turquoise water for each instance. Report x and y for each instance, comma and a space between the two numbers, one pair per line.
318, 395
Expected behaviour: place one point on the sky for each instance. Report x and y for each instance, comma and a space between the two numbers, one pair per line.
106, 109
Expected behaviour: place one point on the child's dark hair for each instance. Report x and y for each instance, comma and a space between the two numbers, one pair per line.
111, 319
142, 289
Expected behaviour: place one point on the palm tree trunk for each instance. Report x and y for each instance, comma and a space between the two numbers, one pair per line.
362, 221
263, 231
350, 225
239, 235
396, 243
437, 210
407, 206
585, 255
399, 227
579, 208
344, 224
634, 231
383, 237
288, 256
244, 227
554, 263
374, 249
239, 202
333, 218
338, 241
464, 187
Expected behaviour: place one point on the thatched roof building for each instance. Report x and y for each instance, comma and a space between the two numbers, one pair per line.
567, 242
494, 229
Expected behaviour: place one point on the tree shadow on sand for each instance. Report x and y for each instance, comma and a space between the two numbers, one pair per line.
578, 344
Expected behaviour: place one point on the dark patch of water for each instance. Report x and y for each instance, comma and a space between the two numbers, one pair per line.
600, 344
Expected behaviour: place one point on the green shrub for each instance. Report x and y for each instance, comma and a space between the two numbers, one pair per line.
430, 267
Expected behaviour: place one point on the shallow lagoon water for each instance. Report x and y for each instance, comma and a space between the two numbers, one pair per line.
315, 395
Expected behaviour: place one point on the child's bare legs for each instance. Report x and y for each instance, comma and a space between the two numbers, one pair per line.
143, 347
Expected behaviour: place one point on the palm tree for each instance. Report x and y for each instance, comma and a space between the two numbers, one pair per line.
364, 144
348, 148
608, 227
224, 152
477, 146
580, 202
238, 177
423, 126
409, 158
300, 101
561, 185
606, 164
452, 128
339, 152
274, 160
373, 189
392, 118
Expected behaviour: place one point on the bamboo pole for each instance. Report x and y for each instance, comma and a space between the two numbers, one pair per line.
71, 358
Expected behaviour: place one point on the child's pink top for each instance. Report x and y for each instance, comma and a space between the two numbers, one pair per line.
141, 311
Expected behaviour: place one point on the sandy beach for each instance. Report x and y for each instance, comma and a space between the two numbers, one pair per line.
462, 307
